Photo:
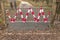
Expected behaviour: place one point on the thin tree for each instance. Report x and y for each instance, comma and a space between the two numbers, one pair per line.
57, 12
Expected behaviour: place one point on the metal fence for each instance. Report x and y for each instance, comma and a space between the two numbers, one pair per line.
28, 18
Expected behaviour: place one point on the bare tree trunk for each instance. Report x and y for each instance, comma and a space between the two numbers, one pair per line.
3, 24
54, 15
52, 22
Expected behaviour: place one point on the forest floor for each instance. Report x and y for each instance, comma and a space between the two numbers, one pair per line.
48, 34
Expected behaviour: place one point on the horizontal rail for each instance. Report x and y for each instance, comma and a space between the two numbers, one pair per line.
32, 21
32, 7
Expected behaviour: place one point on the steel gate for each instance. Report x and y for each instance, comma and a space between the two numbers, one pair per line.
28, 18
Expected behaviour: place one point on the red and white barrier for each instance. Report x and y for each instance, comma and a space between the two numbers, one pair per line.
10, 18
21, 14
33, 15
36, 19
43, 14
24, 19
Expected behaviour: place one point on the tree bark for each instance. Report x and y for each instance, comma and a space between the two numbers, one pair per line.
54, 6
